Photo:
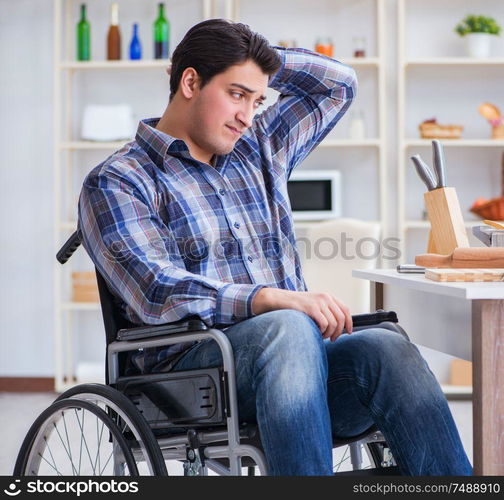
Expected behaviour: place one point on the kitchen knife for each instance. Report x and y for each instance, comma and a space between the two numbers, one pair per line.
439, 163
424, 172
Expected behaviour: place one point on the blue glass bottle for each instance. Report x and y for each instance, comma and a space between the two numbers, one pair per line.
135, 45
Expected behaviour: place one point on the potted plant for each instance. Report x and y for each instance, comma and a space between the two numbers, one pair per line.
478, 30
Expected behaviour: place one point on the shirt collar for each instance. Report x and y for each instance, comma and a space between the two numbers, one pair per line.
158, 145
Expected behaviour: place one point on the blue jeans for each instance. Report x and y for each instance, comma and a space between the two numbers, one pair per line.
302, 390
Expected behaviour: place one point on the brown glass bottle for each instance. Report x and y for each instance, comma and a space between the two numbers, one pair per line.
114, 35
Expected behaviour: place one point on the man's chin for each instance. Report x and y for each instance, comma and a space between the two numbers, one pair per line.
224, 150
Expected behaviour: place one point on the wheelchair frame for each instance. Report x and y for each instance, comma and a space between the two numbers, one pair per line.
215, 441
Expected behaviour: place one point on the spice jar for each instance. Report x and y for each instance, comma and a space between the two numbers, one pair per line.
359, 43
287, 43
324, 46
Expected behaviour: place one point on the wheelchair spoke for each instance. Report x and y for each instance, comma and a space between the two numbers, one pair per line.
67, 439
80, 447
106, 463
343, 459
50, 453
64, 447
98, 440
85, 443
50, 465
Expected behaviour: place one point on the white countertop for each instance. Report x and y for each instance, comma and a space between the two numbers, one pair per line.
464, 290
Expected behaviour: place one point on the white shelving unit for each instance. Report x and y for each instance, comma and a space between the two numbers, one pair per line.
68, 148
234, 10
405, 144
65, 146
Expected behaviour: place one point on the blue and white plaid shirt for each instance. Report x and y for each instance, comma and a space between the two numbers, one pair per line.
177, 238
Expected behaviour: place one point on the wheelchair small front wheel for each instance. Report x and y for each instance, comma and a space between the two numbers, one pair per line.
75, 438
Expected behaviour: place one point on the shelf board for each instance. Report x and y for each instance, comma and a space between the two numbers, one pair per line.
425, 224
361, 61
326, 143
455, 61
466, 143
329, 143
73, 145
163, 63
124, 64
457, 390
80, 306
306, 224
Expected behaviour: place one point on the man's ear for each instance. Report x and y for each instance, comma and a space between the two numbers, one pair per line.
189, 82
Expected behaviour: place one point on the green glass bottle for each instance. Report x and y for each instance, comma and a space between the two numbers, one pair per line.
83, 36
161, 34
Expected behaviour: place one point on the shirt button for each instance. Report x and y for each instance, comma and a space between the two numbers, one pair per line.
250, 259
222, 192
237, 225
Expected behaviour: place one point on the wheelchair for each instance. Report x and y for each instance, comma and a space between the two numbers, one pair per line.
135, 423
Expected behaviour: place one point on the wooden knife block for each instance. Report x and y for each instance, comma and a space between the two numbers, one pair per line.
447, 224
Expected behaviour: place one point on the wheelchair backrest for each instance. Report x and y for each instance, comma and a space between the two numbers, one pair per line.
113, 320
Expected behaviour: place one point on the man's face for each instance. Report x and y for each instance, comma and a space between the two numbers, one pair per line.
223, 109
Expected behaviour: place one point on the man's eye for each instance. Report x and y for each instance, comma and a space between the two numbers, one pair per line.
259, 103
237, 95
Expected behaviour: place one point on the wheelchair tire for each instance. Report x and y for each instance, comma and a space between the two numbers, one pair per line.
62, 441
129, 419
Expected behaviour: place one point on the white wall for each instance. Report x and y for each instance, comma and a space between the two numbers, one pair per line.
26, 218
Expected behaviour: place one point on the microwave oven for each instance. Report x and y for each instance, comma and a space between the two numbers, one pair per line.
315, 194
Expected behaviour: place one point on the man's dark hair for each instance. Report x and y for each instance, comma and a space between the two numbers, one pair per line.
212, 46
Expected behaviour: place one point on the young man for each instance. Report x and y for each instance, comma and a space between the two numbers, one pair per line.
192, 218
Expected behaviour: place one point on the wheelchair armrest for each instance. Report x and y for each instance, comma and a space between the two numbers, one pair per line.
360, 321
149, 331
379, 319
164, 335
370, 319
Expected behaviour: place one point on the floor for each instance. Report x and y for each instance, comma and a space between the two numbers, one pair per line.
19, 410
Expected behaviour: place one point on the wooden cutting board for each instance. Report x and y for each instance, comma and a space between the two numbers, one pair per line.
465, 274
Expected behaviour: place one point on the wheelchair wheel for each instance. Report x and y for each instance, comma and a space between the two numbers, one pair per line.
366, 456
133, 425
74, 438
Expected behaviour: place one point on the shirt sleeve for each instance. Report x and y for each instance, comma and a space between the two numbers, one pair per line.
134, 251
315, 92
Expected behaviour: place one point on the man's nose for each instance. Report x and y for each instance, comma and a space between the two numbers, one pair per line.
245, 116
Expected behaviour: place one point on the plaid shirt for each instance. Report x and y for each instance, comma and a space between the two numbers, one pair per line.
177, 238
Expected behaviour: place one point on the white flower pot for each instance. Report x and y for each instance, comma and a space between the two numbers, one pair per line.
478, 44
